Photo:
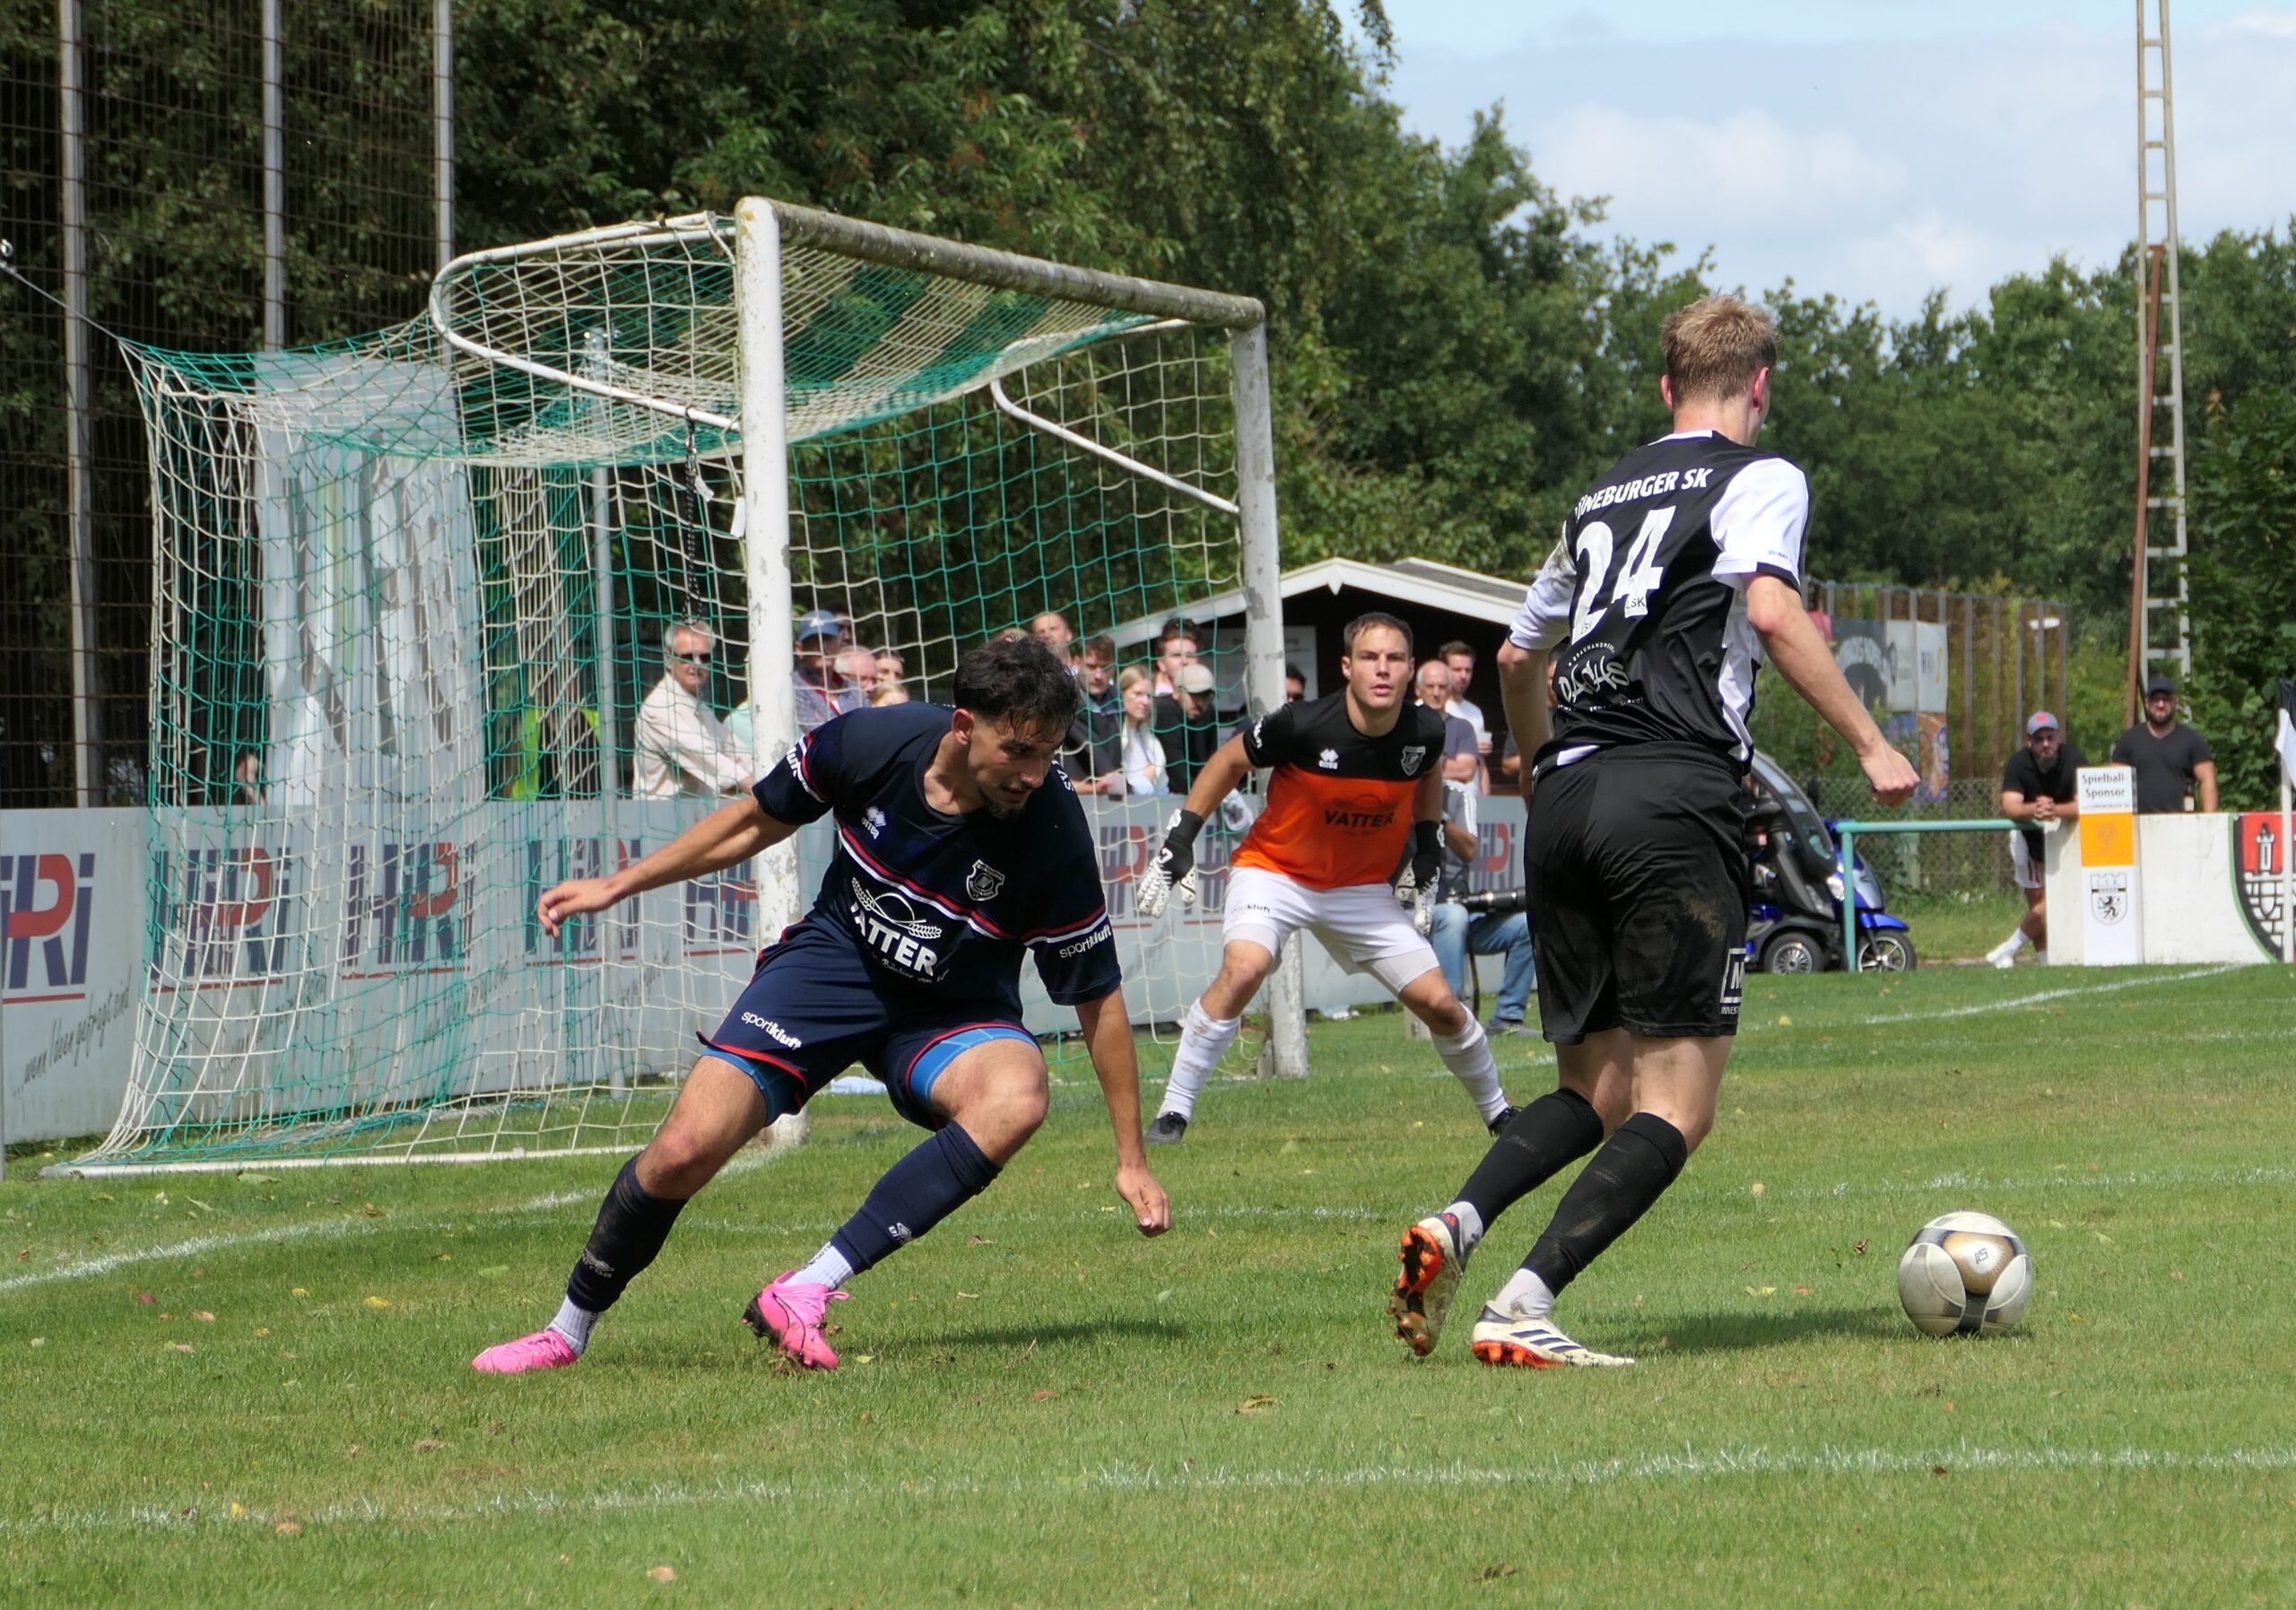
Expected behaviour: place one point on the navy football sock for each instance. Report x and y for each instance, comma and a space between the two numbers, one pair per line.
1558, 1128
1625, 1178
923, 1188
632, 1224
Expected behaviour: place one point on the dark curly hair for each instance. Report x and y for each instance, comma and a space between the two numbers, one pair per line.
1017, 680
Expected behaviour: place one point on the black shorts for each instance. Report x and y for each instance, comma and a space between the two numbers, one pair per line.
1636, 859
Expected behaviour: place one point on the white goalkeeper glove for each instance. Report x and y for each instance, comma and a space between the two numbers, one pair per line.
1415, 885
1173, 869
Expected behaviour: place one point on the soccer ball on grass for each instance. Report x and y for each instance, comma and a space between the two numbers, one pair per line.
1966, 1273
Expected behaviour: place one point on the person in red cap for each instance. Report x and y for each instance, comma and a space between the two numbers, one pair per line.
2037, 786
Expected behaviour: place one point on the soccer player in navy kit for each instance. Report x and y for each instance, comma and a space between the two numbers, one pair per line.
1677, 573
959, 844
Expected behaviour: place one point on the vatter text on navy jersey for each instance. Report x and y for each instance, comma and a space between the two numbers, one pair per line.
944, 905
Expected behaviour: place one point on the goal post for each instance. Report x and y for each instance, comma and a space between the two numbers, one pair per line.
413, 592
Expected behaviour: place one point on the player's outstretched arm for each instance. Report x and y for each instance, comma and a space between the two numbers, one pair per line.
1172, 869
1792, 639
1107, 1037
735, 832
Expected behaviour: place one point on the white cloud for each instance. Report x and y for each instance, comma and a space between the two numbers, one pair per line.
1687, 178
1879, 168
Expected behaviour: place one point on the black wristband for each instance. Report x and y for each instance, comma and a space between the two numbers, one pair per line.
1185, 827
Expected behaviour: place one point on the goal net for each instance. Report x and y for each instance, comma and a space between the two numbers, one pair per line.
415, 590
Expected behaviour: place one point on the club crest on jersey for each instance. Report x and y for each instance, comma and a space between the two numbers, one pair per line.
1328, 759
984, 881
1412, 754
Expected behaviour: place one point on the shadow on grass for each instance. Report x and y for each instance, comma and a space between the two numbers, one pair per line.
1723, 1333
1021, 1336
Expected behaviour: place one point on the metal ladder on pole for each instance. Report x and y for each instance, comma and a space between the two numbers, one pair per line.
2160, 597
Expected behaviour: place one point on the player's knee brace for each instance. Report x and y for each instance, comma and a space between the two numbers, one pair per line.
632, 1224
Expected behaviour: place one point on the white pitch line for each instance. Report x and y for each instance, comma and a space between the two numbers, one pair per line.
1688, 1465
201, 1246
2049, 994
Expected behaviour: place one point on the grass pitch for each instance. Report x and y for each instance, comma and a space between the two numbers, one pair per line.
254, 1390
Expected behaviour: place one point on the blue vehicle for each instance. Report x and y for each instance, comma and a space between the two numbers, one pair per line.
1793, 924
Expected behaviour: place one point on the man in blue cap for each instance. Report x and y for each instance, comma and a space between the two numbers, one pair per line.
822, 694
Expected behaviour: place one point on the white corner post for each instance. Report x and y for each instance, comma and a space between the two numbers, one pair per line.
1287, 1044
765, 549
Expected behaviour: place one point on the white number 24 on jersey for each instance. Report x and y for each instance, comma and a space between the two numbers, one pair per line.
1637, 578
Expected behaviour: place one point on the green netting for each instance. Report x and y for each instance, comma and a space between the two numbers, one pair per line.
412, 599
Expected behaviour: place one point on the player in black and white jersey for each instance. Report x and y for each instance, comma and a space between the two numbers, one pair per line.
1678, 573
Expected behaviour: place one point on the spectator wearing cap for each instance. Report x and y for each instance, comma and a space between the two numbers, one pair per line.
2173, 760
823, 693
2037, 786
679, 746
1186, 724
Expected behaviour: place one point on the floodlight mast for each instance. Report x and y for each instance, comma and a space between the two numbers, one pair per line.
2160, 617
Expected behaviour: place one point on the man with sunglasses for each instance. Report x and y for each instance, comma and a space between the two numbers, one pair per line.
681, 749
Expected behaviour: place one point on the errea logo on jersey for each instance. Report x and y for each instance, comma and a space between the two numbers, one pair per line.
1328, 759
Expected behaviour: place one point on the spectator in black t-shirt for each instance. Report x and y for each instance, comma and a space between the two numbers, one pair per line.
2037, 786
2172, 761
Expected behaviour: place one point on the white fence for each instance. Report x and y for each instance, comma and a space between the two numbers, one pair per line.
88, 900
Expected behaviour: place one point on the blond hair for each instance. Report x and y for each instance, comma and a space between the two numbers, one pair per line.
1716, 346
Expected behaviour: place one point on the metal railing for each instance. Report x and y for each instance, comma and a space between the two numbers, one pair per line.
1844, 834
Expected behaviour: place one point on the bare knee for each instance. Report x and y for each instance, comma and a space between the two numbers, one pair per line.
1440, 1010
1001, 1114
679, 1162
1239, 981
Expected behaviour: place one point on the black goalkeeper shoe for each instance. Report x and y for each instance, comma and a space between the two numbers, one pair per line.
1506, 1116
1169, 1126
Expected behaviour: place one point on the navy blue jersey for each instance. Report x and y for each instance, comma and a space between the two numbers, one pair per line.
943, 905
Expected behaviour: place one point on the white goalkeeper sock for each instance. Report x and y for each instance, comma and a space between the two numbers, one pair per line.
2017, 941
1467, 1054
574, 1323
1204, 1040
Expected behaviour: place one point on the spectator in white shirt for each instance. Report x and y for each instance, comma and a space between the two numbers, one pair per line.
1141, 754
681, 747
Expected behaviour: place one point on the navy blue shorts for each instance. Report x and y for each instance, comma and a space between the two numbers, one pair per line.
814, 1009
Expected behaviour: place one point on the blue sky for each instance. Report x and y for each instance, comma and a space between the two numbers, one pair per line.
1872, 148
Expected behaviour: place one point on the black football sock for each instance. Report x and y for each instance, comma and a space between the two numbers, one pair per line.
933, 1181
632, 1224
1617, 1186
1555, 1130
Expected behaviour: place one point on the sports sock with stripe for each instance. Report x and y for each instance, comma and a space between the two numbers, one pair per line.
632, 1224
1617, 1186
1204, 1040
1546, 1136
937, 1178
1467, 1054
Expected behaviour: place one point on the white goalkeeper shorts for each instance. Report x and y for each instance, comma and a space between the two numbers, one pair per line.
1363, 925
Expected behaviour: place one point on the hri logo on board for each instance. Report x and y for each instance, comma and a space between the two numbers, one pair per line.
46, 911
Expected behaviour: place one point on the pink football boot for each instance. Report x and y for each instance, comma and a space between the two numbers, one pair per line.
543, 1350
790, 1312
